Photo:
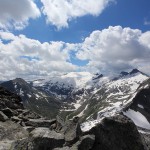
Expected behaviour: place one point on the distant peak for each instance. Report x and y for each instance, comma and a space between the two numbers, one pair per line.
97, 76
19, 79
123, 73
134, 71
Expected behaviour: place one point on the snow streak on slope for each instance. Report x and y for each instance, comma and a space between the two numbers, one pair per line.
113, 96
62, 85
92, 96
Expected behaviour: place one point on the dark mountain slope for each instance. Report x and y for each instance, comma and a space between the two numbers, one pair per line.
33, 98
141, 102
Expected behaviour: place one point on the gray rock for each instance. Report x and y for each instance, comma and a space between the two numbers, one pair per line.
40, 139
15, 119
43, 138
63, 148
30, 115
40, 123
72, 131
6, 145
3, 117
85, 143
29, 128
9, 112
59, 124
11, 131
117, 133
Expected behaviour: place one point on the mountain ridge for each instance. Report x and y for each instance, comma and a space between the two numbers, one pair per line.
77, 94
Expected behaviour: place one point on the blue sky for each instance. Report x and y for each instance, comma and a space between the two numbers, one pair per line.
127, 13
43, 36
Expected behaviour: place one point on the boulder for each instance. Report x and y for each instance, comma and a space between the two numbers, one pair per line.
62, 148
146, 136
40, 139
85, 143
43, 138
40, 123
29, 128
15, 119
117, 133
10, 132
6, 145
10, 100
59, 124
72, 131
3, 117
9, 112
30, 115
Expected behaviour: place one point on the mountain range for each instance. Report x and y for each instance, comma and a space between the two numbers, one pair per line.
90, 97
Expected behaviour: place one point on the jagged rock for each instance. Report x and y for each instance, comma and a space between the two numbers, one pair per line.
40, 123
72, 131
22, 144
123, 73
85, 143
15, 119
9, 132
3, 117
141, 101
116, 133
30, 115
9, 100
9, 112
6, 145
20, 110
42, 139
147, 139
59, 124
22, 123
134, 71
29, 128
63, 148
53, 126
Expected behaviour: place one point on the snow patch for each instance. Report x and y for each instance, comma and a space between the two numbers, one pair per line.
137, 118
21, 92
140, 106
29, 95
82, 112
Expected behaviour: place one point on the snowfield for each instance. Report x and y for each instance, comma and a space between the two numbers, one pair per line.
137, 118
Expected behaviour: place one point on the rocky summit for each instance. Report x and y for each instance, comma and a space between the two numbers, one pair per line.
21, 129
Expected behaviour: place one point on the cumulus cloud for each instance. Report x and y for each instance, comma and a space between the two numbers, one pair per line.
111, 50
16, 13
27, 58
60, 12
116, 49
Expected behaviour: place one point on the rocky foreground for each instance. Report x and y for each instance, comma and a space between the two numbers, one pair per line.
21, 129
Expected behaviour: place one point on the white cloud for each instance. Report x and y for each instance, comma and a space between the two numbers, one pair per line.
60, 12
116, 49
16, 13
24, 57
111, 50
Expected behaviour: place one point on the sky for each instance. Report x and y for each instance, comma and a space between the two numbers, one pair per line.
41, 37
